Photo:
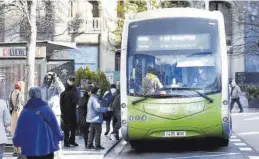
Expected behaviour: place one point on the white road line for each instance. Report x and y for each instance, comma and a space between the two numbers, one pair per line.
244, 114
245, 149
233, 137
227, 154
249, 133
253, 157
252, 118
235, 140
240, 144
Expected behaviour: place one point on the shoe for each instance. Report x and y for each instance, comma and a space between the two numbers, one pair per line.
66, 145
99, 148
113, 137
117, 137
90, 147
15, 154
106, 133
241, 111
74, 144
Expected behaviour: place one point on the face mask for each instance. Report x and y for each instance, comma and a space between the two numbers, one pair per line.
99, 92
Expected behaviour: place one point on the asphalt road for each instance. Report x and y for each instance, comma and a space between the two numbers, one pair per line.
244, 144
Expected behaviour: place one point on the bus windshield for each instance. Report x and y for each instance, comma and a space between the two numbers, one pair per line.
173, 53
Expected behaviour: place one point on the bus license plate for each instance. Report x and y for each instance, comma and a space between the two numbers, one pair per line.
174, 133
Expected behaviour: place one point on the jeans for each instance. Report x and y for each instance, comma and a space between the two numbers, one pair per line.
233, 101
1, 150
95, 134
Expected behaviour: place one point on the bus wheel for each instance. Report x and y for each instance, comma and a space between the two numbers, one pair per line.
135, 145
223, 142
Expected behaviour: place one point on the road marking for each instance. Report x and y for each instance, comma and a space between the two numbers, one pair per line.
245, 149
233, 137
235, 140
228, 154
240, 144
253, 157
249, 133
252, 118
244, 114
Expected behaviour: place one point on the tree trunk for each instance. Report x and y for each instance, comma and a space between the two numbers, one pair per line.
31, 44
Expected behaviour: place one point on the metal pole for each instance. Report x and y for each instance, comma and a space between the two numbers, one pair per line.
207, 4
31, 44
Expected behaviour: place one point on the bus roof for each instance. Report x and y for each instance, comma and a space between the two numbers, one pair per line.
176, 12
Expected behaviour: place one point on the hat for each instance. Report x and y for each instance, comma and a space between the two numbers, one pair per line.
17, 85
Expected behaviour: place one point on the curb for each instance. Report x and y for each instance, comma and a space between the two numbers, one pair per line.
109, 150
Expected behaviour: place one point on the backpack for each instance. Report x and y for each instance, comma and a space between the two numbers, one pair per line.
107, 99
106, 102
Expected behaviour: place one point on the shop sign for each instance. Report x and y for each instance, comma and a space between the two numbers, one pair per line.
20, 52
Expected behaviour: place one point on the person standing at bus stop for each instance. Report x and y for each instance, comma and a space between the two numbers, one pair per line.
235, 96
51, 89
16, 104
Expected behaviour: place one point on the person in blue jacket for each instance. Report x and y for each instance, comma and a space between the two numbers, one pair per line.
37, 131
95, 118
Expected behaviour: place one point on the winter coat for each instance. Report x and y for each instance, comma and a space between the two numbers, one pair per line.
68, 103
235, 92
116, 106
95, 110
105, 101
51, 95
82, 109
33, 134
17, 100
5, 121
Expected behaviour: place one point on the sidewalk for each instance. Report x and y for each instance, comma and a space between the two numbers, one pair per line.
79, 152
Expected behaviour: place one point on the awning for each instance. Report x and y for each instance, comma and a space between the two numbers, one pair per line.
53, 45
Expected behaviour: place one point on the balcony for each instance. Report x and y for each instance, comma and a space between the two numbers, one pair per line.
93, 25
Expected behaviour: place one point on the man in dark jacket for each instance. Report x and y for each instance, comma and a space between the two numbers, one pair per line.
68, 102
116, 116
82, 110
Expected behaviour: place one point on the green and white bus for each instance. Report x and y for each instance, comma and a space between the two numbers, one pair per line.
174, 76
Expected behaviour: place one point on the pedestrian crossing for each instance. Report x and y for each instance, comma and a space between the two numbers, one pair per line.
246, 149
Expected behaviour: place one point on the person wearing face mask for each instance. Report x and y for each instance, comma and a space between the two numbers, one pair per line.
68, 103
51, 89
235, 96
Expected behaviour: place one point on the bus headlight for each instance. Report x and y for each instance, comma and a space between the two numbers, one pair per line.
195, 107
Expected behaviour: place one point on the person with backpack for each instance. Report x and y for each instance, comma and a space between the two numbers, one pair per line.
38, 132
16, 103
107, 101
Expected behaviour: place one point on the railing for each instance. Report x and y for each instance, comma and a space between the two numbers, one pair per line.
92, 25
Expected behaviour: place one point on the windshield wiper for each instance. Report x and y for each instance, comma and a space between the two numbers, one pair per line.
191, 89
145, 97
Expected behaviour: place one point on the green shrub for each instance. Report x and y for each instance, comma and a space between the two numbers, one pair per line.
98, 78
252, 91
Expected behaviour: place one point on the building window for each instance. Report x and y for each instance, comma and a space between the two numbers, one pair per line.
117, 61
95, 10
